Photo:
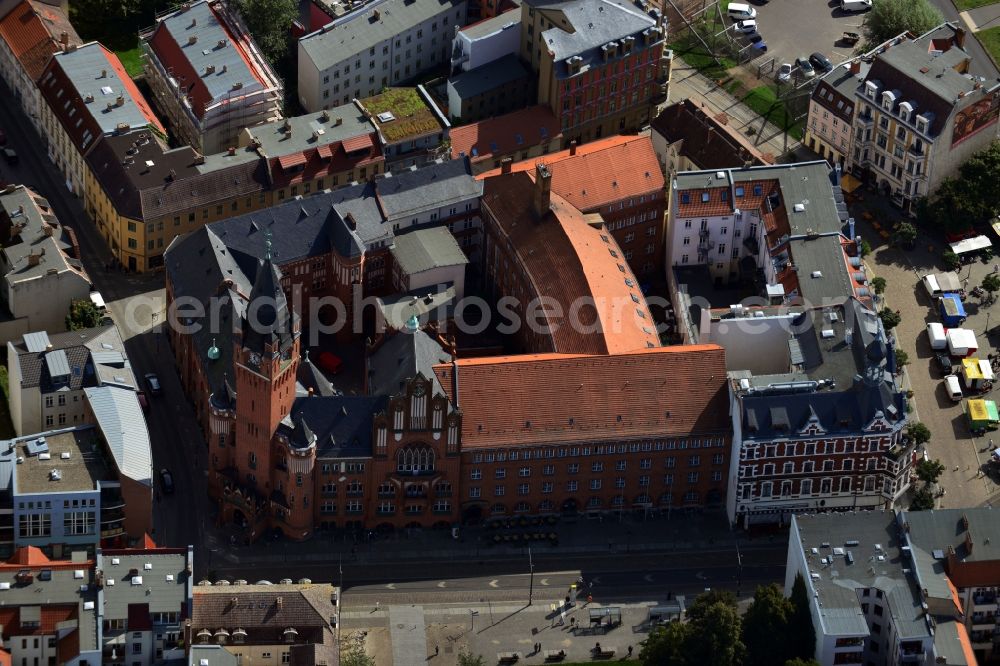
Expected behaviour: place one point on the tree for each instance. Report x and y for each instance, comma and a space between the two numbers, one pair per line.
666, 646
890, 318
466, 658
979, 177
798, 661
82, 314
352, 651
879, 284
919, 433
866, 248
765, 627
923, 500
929, 471
715, 639
888, 18
902, 359
906, 234
991, 283
951, 260
801, 631
705, 600
270, 23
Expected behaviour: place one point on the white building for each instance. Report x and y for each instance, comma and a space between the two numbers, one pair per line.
486, 41
381, 44
39, 261
428, 258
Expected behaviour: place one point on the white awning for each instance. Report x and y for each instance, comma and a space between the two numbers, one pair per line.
971, 245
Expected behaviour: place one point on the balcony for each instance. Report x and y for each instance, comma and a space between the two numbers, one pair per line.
866, 119
985, 600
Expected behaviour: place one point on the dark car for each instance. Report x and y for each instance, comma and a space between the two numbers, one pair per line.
153, 383
805, 68
167, 481
944, 364
821, 62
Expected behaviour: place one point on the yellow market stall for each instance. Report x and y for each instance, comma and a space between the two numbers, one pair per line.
977, 374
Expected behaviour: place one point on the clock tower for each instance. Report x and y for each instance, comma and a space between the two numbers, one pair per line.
266, 357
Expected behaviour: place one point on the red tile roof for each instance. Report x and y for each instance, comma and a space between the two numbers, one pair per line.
478, 139
51, 615
357, 143
555, 398
29, 556
601, 172
32, 31
566, 259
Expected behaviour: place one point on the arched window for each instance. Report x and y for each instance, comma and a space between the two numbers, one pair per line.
415, 460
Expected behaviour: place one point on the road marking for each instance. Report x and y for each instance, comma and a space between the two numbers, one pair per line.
545, 581
390, 586
595, 580
442, 584
494, 583
648, 578
701, 576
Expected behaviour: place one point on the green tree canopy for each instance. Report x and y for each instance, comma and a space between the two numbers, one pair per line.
270, 23
888, 18
765, 627
929, 471
919, 433
666, 646
800, 628
923, 500
704, 600
890, 318
466, 658
82, 314
716, 637
991, 283
879, 284
906, 233
352, 651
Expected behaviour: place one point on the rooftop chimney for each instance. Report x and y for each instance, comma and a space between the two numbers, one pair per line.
505, 165
572, 147
33, 259
64, 38
856, 66
192, 40
543, 191
120, 101
960, 37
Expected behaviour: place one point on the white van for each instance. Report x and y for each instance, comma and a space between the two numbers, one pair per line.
740, 12
855, 5
953, 388
937, 335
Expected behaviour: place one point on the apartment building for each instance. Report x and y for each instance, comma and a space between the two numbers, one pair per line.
287, 623
600, 63
617, 177
40, 264
518, 135
30, 33
874, 597
145, 595
410, 127
830, 123
141, 195
88, 95
489, 90
538, 246
919, 116
380, 44
552, 451
208, 75
485, 41
49, 612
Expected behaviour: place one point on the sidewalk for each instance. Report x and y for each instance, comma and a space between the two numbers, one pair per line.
687, 83
679, 532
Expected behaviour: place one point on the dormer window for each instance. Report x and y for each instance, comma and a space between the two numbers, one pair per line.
871, 89
888, 99
922, 124
905, 110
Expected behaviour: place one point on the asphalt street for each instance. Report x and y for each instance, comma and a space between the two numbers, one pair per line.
982, 64
176, 438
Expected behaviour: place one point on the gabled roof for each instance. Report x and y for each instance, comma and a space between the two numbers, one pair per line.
567, 258
33, 31
706, 142
230, 52
592, 23
427, 249
268, 322
601, 172
29, 226
502, 135
401, 358
91, 95
309, 377
342, 424
668, 391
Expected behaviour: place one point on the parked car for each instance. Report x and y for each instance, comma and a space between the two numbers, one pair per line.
153, 384
821, 62
143, 400
167, 481
944, 364
10, 155
805, 67
747, 27
785, 72
757, 41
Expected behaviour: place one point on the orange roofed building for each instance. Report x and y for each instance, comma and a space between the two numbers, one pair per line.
518, 135
541, 250
620, 178
635, 431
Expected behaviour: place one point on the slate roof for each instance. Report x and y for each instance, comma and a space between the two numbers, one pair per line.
401, 358
707, 142
573, 398
174, 184
80, 347
835, 89
427, 249
342, 424
358, 30
91, 72
487, 77
211, 655
566, 258
836, 585
308, 376
32, 31
502, 135
267, 322
227, 48
38, 221
164, 586
607, 170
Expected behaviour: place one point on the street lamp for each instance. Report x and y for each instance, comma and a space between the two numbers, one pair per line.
739, 568
531, 579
